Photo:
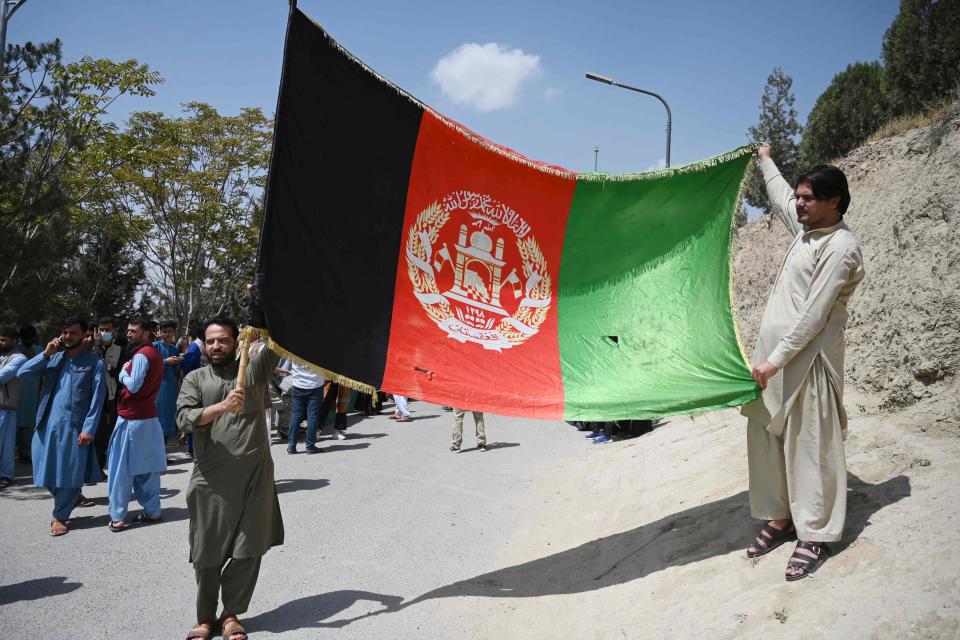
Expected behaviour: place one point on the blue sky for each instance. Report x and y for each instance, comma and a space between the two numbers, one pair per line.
709, 59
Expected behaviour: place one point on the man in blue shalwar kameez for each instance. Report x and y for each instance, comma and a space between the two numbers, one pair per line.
137, 456
10, 362
71, 399
167, 399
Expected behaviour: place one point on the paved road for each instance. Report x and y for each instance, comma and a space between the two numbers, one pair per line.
372, 523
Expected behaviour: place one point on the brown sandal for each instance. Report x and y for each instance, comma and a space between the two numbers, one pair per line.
58, 528
230, 626
201, 631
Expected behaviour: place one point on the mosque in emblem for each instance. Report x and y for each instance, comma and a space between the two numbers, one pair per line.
478, 277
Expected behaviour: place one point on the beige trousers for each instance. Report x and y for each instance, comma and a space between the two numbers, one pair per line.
802, 475
458, 427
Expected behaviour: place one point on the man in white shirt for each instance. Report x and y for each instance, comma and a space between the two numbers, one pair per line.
307, 398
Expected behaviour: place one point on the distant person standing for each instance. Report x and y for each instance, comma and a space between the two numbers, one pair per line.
71, 399
137, 456
796, 428
106, 347
401, 409
194, 358
167, 398
306, 400
458, 415
10, 362
29, 395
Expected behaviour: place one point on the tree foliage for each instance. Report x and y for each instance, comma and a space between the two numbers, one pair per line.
921, 53
191, 202
852, 108
778, 126
51, 117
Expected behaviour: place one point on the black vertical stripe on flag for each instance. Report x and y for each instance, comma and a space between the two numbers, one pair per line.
336, 192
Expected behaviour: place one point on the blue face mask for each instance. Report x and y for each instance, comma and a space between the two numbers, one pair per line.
106, 336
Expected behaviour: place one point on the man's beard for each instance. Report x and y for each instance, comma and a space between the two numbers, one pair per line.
228, 356
4, 352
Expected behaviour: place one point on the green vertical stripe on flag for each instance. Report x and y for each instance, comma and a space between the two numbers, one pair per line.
645, 320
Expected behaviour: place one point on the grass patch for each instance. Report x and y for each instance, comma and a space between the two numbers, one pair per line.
938, 114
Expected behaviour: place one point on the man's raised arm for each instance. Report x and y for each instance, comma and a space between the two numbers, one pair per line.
783, 200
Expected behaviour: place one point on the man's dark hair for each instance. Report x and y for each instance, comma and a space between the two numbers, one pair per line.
10, 332
826, 181
168, 324
107, 320
194, 328
143, 323
222, 321
28, 334
72, 320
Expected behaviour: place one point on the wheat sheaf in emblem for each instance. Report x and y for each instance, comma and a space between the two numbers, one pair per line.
477, 271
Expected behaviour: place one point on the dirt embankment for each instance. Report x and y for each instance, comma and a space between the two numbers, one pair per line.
903, 337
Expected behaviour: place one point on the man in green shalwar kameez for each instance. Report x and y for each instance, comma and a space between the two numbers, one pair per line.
234, 513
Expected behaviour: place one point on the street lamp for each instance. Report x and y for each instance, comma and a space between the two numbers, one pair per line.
606, 80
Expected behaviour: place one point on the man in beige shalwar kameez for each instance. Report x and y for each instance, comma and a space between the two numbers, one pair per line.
796, 428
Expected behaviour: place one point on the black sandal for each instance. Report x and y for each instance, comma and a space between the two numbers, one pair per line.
143, 518
805, 563
765, 545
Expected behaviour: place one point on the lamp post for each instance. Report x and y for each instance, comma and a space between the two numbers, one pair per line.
606, 80
7, 9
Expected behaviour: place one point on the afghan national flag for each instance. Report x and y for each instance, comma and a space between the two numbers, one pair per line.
401, 251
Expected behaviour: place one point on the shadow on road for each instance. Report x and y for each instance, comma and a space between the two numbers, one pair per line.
300, 484
695, 534
78, 521
494, 445
36, 589
311, 611
344, 447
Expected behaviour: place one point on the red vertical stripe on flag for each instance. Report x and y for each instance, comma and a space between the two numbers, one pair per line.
475, 312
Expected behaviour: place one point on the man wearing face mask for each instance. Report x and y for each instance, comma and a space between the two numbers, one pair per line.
71, 400
10, 362
111, 352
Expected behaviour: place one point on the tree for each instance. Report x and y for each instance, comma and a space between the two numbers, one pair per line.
192, 203
106, 275
852, 107
51, 117
777, 126
921, 53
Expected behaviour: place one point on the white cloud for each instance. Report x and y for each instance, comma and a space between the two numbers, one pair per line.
551, 93
484, 76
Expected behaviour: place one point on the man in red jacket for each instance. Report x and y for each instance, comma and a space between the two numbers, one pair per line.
137, 455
